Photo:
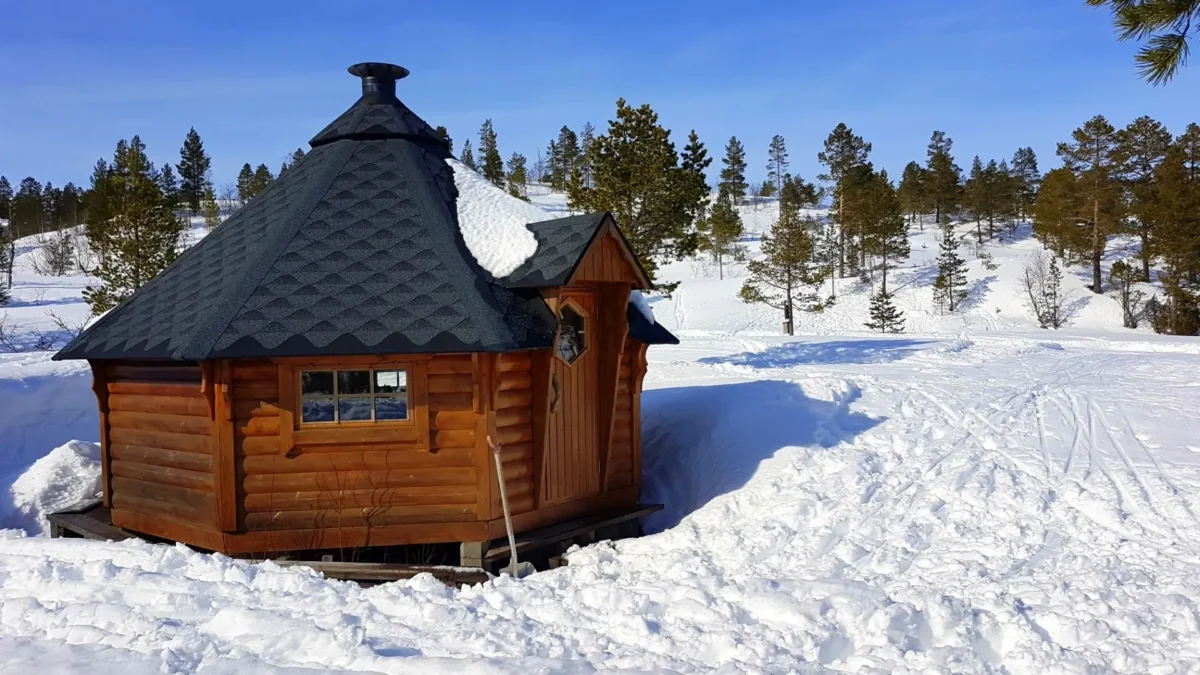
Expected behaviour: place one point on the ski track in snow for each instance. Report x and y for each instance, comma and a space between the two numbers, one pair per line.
976, 497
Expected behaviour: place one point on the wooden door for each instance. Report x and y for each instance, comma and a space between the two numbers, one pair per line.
572, 463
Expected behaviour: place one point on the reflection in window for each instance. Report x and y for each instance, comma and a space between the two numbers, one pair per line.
572, 337
361, 395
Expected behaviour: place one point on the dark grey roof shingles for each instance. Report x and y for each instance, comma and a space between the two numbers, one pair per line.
561, 245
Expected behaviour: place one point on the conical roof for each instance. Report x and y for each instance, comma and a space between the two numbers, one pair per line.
356, 249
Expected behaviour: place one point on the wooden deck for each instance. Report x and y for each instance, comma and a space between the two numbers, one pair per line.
92, 520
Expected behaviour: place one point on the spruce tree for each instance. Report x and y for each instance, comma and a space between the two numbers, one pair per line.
1027, 177
568, 149
491, 166
733, 173
291, 160
1175, 210
1122, 278
468, 156
944, 178
28, 209
1098, 199
844, 153
798, 193
912, 191
518, 179
585, 158
721, 231
554, 160
694, 161
261, 180
1141, 146
974, 197
950, 286
212, 210
99, 208
6, 196
245, 183
7, 254
141, 236
637, 177
169, 186
783, 277
885, 316
445, 133
777, 162
194, 165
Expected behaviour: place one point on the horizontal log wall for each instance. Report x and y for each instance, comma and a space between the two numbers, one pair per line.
621, 462
514, 427
161, 447
349, 477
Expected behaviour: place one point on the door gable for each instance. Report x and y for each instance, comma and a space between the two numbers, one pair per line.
609, 259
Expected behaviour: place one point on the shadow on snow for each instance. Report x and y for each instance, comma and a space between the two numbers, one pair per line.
705, 441
838, 351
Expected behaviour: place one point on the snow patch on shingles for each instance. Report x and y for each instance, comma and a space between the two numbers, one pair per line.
643, 305
493, 222
65, 476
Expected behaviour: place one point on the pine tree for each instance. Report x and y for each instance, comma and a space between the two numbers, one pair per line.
694, 161
733, 173
885, 232
141, 237
912, 191
1175, 210
783, 276
844, 153
974, 196
1166, 25
1122, 278
212, 210
8, 253
944, 178
1027, 177
28, 209
1097, 201
885, 316
638, 178
777, 162
1141, 146
445, 133
491, 166
797, 193
722, 230
6, 196
568, 149
194, 165
245, 183
554, 160
468, 156
518, 179
261, 180
950, 287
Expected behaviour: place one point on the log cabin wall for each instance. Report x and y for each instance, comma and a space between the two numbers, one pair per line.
159, 444
307, 479
513, 404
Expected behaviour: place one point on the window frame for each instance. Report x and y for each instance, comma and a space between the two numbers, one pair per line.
337, 423
587, 329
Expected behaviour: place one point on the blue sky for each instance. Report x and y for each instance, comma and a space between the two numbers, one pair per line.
257, 81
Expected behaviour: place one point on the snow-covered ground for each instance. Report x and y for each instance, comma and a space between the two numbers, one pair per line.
974, 496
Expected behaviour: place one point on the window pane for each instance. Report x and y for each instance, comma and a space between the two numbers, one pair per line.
354, 382
319, 382
390, 381
354, 409
391, 408
317, 409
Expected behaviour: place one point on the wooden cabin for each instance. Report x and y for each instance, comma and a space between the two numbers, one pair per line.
325, 369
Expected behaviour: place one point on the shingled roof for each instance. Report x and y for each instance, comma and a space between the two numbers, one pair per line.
354, 250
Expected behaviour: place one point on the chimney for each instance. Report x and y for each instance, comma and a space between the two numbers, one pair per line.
378, 80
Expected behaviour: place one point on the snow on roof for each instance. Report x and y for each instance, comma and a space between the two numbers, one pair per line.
643, 305
493, 222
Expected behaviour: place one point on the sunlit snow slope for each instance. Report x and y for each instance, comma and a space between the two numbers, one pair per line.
977, 495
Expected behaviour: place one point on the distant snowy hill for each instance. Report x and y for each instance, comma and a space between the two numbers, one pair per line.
977, 495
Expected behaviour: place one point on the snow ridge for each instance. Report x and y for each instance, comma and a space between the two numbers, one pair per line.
493, 222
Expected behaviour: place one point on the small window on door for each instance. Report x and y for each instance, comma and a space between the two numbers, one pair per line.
360, 395
572, 334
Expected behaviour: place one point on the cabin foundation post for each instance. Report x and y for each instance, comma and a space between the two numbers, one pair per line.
471, 553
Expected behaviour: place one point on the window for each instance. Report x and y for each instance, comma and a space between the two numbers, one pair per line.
361, 395
572, 335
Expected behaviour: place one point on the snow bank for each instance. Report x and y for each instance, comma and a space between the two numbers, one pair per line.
66, 475
637, 299
493, 222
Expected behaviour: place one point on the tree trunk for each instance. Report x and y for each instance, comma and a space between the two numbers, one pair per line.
1097, 250
1145, 234
883, 285
842, 234
978, 231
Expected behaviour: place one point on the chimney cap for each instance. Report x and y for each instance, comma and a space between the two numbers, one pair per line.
382, 71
